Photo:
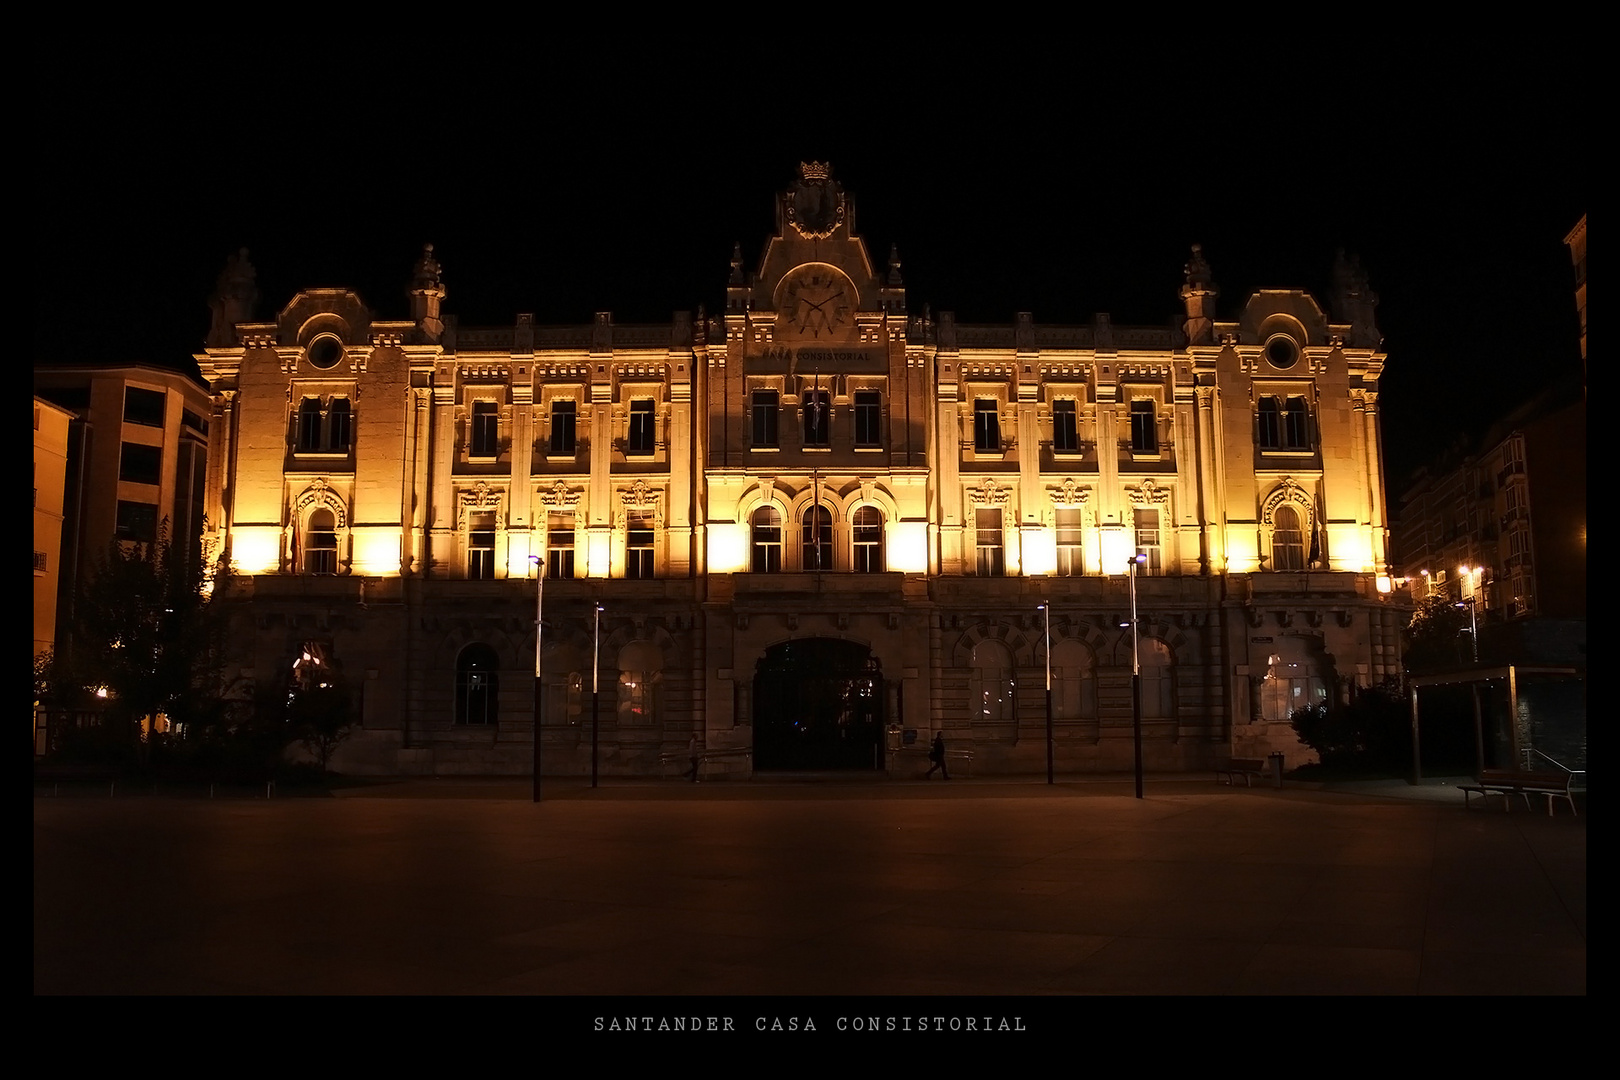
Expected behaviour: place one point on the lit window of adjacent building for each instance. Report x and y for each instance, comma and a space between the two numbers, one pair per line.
818, 547
766, 540
986, 425
869, 540
868, 418
764, 412
137, 521
140, 464
638, 553
481, 547
485, 430
1144, 427
640, 438
144, 407
560, 544
1068, 542
1065, 428
320, 544
1147, 540
987, 541
1287, 540
817, 414
562, 428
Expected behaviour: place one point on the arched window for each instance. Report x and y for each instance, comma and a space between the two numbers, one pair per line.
992, 694
320, 545
477, 685
1074, 681
817, 552
639, 674
767, 540
1158, 680
1287, 540
869, 540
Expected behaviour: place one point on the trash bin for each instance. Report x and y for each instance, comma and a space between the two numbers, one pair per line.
1277, 769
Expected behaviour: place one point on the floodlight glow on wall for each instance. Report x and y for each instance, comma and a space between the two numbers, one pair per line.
256, 550
376, 552
907, 546
728, 548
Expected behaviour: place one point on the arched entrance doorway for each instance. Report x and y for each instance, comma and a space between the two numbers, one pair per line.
818, 704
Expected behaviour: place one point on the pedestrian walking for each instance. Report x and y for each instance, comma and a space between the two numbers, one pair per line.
694, 752
936, 754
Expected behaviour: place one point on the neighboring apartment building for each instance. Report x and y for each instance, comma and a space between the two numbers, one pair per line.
819, 525
50, 485
137, 454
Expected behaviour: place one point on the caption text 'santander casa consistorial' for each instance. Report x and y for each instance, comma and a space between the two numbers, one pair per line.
819, 525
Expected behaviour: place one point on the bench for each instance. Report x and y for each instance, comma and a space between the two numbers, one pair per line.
77, 773
1248, 768
1510, 782
683, 757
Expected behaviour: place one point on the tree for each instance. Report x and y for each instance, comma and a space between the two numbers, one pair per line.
1434, 637
321, 716
152, 635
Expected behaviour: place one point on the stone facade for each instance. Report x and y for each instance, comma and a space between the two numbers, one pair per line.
819, 525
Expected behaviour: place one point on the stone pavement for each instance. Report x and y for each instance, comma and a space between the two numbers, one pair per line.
809, 887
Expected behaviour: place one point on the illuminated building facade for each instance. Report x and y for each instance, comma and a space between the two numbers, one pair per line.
819, 523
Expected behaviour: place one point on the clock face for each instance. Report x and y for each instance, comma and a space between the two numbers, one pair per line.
817, 301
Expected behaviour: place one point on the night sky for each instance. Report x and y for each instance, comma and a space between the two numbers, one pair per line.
565, 190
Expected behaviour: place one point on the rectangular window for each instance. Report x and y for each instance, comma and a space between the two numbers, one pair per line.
560, 545
987, 539
764, 416
140, 464
339, 426
1270, 433
309, 426
638, 543
986, 426
137, 521
868, 418
817, 414
144, 407
641, 437
486, 421
562, 429
1068, 542
1144, 428
1296, 424
481, 548
1065, 428
1147, 541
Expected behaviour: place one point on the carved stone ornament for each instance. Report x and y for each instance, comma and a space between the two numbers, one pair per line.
481, 496
1150, 494
988, 494
1287, 491
815, 203
1070, 493
639, 495
319, 491
559, 495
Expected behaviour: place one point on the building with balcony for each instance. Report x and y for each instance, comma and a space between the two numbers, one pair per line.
819, 523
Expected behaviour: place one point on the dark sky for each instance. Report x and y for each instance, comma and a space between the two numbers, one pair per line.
564, 189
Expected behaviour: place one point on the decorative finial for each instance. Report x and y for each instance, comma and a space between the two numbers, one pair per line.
894, 264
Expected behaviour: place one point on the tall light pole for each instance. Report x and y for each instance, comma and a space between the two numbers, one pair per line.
1046, 610
1472, 573
596, 697
1136, 673
539, 595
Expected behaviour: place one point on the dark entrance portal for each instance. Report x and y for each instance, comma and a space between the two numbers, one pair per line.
818, 704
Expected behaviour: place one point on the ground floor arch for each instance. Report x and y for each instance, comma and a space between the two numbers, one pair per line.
818, 704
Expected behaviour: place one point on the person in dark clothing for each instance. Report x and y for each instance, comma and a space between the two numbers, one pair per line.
936, 754
696, 754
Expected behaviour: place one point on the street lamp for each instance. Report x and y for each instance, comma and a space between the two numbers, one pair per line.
1472, 602
1136, 673
539, 593
1046, 610
596, 697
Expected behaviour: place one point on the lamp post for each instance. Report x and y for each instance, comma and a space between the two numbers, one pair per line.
1472, 601
1046, 610
596, 697
539, 594
1136, 674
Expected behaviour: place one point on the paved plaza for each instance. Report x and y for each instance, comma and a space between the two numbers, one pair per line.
825, 887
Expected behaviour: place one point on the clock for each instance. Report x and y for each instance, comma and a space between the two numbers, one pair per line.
817, 300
